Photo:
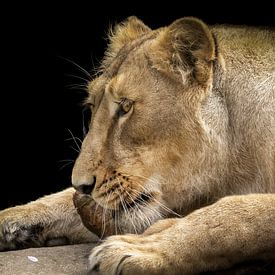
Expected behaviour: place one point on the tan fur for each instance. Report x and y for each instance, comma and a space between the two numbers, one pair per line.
183, 117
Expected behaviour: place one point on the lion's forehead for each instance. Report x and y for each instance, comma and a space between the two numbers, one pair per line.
132, 83
129, 66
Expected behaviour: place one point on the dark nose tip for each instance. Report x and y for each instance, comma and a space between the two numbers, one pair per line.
87, 188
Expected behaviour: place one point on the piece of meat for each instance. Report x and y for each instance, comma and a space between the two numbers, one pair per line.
97, 219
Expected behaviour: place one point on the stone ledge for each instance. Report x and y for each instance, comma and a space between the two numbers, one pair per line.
73, 260
58, 260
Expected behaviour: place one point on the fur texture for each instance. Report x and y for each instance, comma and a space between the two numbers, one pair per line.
183, 118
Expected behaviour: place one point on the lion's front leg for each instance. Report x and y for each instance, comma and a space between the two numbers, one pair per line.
51, 220
233, 230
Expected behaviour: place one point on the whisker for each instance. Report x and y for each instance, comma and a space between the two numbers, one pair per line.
141, 218
123, 205
76, 150
78, 77
97, 204
77, 85
128, 213
74, 139
154, 211
66, 160
115, 219
78, 66
166, 208
104, 216
153, 181
94, 70
65, 165
140, 211
81, 87
117, 226
146, 204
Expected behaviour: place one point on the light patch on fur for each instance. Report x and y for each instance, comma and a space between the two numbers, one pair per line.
138, 219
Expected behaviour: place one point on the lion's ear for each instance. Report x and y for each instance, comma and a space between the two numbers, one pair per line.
125, 32
186, 48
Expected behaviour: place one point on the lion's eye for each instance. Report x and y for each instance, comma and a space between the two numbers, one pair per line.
125, 106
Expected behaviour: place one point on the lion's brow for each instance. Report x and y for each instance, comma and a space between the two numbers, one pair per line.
110, 72
94, 90
111, 69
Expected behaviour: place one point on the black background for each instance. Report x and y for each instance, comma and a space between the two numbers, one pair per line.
37, 99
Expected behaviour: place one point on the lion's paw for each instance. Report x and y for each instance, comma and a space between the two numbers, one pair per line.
16, 232
128, 254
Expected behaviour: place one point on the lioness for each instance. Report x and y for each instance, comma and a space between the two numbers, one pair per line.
180, 153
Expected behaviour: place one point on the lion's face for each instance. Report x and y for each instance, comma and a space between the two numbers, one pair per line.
144, 129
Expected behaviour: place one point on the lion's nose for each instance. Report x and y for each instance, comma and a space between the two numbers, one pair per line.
85, 187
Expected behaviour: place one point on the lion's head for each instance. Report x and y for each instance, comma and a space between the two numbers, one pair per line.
147, 144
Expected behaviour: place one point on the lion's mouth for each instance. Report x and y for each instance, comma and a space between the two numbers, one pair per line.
140, 201
131, 216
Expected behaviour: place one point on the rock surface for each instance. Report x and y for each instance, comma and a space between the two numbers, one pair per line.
59, 260
73, 260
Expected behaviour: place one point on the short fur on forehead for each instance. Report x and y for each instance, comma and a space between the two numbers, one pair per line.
121, 34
